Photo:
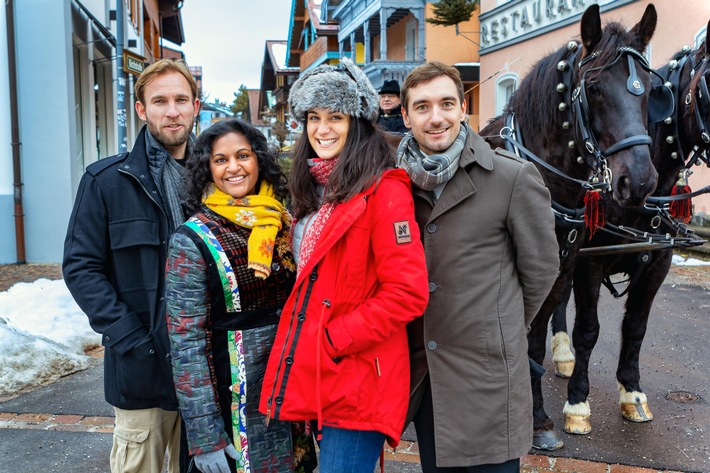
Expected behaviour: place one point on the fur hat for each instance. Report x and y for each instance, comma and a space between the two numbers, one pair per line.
390, 87
345, 89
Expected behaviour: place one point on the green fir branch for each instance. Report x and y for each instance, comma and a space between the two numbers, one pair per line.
452, 12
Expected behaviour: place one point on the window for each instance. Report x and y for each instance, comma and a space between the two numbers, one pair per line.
505, 87
410, 41
699, 38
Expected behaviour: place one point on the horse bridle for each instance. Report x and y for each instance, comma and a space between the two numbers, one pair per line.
702, 100
592, 152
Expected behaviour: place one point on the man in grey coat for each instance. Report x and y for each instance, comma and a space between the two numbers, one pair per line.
492, 256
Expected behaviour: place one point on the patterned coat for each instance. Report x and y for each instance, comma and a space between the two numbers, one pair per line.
198, 324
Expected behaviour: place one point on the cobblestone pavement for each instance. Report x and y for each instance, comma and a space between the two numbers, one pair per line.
404, 459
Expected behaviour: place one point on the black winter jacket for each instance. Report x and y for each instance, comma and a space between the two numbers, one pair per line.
393, 122
114, 266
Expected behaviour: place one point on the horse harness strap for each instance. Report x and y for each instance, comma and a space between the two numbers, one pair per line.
644, 258
672, 79
703, 95
515, 146
571, 219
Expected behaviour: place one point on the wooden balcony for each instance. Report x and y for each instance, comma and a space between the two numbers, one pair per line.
324, 48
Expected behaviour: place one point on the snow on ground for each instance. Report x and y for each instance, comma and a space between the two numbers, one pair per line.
43, 335
680, 261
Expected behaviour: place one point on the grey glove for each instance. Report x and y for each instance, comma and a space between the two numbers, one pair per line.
215, 462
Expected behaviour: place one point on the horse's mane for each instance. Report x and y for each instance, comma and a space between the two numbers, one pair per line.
536, 97
699, 55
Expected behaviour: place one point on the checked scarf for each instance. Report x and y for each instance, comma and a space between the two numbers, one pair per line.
320, 170
262, 213
429, 171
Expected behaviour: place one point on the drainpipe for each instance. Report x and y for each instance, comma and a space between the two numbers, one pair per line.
15, 138
121, 82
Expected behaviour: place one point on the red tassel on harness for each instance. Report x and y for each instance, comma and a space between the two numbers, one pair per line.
681, 209
593, 212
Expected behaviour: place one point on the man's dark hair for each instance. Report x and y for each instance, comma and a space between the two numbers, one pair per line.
427, 72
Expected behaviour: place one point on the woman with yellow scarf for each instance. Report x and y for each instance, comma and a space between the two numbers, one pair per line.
229, 271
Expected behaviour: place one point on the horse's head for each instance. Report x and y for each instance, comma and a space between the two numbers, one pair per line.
610, 105
682, 138
697, 99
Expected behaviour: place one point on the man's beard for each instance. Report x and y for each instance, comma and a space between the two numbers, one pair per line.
169, 140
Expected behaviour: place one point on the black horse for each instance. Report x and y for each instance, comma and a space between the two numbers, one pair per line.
638, 243
581, 113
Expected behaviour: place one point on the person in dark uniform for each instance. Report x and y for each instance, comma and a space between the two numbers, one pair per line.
391, 108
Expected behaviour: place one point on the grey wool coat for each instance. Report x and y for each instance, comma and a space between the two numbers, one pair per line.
492, 258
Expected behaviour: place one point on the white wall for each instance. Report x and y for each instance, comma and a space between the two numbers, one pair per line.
47, 122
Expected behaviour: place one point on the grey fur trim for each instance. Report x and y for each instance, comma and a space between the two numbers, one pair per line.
344, 89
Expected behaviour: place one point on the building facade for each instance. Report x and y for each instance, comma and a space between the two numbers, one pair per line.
66, 95
387, 38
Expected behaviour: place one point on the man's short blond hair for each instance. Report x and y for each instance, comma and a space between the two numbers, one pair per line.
159, 68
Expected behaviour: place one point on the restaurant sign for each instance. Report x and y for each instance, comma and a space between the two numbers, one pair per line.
517, 20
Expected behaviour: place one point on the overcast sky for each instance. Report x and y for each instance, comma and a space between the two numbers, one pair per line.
226, 38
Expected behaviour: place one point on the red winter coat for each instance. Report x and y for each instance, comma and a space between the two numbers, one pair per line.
341, 353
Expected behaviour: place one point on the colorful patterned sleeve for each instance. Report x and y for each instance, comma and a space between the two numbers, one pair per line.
186, 296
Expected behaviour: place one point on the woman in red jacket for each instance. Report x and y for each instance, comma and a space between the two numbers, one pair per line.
340, 355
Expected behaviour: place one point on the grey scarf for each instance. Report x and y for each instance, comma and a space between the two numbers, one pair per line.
429, 171
168, 176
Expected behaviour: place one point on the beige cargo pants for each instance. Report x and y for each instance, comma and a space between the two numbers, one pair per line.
142, 437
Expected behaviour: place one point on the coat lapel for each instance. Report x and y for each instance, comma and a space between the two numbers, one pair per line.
461, 186
456, 190
342, 218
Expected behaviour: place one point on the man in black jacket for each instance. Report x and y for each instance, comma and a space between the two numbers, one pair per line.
391, 108
114, 264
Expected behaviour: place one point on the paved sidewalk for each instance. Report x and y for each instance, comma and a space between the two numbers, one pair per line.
66, 426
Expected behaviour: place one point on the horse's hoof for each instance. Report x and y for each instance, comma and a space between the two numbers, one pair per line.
579, 425
547, 440
634, 405
636, 412
563, 369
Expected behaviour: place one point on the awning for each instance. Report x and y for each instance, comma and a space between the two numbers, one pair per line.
470, 71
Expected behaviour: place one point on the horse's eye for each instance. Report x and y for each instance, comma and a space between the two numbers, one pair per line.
594, 89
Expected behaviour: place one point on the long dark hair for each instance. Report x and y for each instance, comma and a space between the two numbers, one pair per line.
365, 156
197, 169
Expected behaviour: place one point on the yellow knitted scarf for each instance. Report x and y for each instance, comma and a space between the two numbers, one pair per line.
263, 214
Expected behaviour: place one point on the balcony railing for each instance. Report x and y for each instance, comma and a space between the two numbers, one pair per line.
379, 71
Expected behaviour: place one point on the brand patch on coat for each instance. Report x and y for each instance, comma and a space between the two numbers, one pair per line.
402, 232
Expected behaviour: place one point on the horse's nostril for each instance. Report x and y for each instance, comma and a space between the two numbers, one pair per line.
624, 188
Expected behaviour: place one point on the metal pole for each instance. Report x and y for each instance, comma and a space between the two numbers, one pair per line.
15, 135
121, 79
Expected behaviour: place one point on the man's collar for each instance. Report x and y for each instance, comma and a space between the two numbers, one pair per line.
476, 150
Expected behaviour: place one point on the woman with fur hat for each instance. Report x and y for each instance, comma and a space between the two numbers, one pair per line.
340, 355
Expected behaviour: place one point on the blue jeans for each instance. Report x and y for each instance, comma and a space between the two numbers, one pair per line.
349, 451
